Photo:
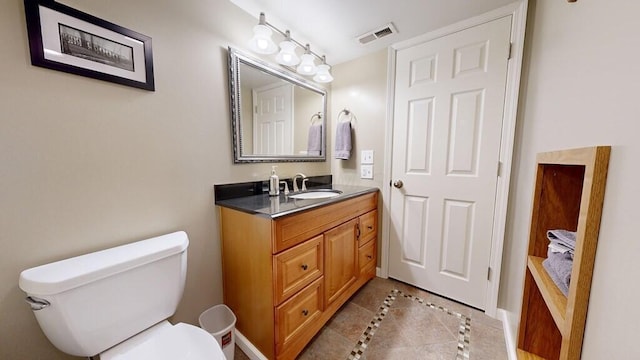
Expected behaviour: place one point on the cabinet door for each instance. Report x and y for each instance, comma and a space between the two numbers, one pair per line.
341, 259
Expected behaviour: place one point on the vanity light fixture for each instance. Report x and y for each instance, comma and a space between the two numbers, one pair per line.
322, 74
262, 44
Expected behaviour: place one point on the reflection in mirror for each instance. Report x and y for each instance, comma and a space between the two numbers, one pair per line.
276, 116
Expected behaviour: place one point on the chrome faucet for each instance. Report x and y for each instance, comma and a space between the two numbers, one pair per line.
304, 182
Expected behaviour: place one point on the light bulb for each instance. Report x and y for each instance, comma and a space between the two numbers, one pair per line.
261, 41
307, 66
323, 75
287, 55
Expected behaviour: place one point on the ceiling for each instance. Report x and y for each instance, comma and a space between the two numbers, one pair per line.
333, 26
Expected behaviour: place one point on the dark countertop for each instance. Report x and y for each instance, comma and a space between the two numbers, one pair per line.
278, 206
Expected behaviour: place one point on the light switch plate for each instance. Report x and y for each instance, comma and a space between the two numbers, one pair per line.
366, 171
367, 157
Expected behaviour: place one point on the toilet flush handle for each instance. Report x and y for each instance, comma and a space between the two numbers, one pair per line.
36, 303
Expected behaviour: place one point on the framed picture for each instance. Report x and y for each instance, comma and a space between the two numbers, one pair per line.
69, 40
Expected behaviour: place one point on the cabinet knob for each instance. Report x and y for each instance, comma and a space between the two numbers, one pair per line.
304, 266
305, 312
370, 227
369, 257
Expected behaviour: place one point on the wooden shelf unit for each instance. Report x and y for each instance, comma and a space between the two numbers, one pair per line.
568, 194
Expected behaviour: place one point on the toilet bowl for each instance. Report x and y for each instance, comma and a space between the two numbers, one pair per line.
115, 302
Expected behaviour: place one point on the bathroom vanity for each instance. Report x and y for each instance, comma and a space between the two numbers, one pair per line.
290, 264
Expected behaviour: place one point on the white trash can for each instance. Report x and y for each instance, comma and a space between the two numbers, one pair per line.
220, 322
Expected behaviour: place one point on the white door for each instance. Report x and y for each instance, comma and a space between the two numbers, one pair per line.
448, 111
273, 120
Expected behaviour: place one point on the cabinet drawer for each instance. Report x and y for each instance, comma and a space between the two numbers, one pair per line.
298, 313
294, 229
297, 267
367, 257
368, 227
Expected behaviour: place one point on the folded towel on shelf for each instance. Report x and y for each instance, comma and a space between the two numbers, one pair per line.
559, 248
559, 268
314, 141
564, 237
343, 140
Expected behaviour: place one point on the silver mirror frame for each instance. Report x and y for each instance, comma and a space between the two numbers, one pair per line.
236, 57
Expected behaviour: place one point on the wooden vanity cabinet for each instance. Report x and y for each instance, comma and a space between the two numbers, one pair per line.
285, 277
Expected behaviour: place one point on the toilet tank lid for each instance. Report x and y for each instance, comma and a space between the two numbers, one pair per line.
70, 273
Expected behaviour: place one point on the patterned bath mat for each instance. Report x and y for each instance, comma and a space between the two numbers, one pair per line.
463, 331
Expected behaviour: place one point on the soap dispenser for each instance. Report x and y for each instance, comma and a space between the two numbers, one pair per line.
274, 183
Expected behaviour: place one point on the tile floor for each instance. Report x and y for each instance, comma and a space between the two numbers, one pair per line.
413, 324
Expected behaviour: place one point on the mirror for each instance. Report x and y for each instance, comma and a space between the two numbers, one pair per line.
276, 115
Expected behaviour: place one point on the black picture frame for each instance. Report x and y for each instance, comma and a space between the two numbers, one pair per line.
65, 39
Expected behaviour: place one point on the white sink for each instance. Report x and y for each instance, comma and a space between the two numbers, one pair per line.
316, 194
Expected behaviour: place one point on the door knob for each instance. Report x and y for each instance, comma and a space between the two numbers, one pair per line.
398, 183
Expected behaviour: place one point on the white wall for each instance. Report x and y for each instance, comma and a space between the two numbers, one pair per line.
87, 164
581, 85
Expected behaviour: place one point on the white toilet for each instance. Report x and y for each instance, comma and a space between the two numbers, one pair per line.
115, 303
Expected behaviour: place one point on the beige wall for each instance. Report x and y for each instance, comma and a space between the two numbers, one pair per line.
580, 88
361, 86
87, 164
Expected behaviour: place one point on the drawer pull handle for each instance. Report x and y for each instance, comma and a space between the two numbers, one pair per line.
304, 266
305, 312
370, 227
369, 257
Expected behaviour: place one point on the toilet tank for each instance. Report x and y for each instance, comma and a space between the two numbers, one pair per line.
99, 299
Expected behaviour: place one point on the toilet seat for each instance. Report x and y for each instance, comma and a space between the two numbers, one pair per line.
167, 342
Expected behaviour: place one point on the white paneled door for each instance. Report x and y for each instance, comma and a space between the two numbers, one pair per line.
273, 120
449, 100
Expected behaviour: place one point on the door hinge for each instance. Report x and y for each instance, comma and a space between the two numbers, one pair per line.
510, 51
499, 169
489, 273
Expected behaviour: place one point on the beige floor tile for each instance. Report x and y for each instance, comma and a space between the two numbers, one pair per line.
328, 344
351, 321
487, 343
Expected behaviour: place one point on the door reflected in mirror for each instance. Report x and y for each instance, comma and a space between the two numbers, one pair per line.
276, 116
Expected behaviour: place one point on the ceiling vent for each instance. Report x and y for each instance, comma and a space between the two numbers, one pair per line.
377, 34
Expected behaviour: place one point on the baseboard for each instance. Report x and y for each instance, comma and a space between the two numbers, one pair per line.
247, 347
509, 336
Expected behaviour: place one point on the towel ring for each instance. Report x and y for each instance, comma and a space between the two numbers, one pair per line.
315, 116
349, 114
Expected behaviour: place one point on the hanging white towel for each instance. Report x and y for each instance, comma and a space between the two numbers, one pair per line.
314, 141
343, 140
